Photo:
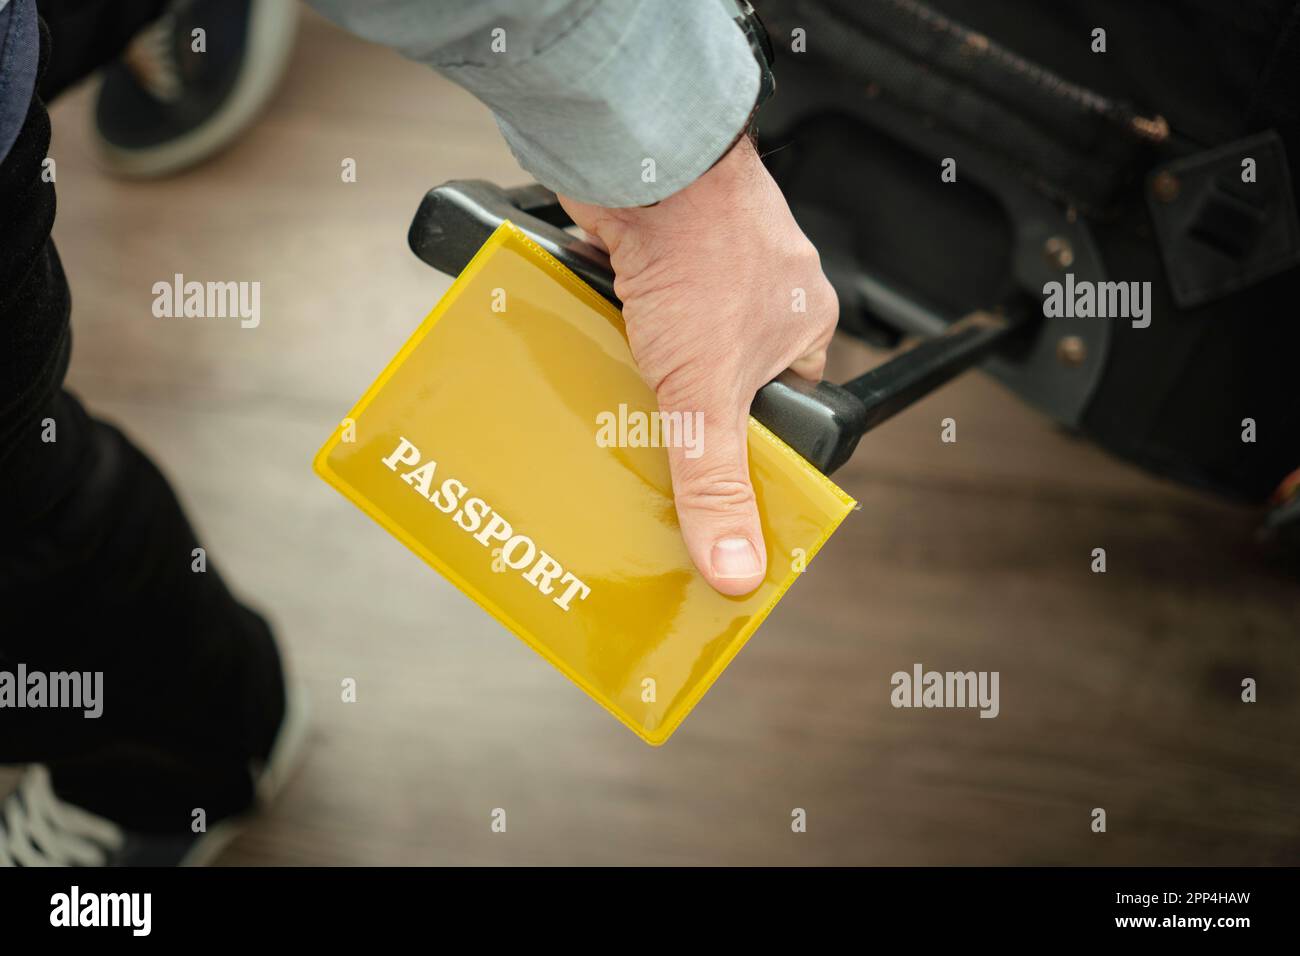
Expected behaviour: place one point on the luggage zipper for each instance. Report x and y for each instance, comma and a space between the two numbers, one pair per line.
1151, 129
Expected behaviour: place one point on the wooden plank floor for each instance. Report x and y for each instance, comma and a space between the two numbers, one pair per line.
1117, 691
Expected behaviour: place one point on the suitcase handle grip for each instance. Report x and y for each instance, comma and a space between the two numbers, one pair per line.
821, 421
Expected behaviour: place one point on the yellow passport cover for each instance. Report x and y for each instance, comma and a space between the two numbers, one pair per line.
478, 449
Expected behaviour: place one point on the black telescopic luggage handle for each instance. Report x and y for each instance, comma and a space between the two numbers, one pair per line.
822, 422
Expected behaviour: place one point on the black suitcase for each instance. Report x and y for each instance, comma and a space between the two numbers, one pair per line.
1122, 165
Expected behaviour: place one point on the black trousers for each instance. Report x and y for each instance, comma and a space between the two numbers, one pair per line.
96, 553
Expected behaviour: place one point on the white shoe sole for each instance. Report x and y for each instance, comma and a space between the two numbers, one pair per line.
272, 27
286, 754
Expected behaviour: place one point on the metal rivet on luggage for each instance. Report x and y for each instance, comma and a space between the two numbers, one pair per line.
1059, 252
1166, 187
1071, 351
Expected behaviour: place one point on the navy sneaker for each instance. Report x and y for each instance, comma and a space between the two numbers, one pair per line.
39, 828
166, 106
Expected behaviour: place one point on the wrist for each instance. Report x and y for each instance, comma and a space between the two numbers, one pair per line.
711, 195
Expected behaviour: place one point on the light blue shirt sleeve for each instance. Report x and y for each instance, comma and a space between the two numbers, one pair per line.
613, 102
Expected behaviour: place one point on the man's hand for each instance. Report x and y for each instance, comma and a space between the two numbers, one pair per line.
721, 292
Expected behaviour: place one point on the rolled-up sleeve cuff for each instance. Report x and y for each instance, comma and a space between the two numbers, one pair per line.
627, 106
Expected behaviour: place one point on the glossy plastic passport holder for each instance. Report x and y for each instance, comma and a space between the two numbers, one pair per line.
505, 444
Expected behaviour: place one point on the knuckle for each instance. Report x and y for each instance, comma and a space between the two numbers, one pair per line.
691, 386
714, 494
640, 275
823, 300
830, 308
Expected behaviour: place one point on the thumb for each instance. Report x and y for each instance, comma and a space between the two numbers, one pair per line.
714, 497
